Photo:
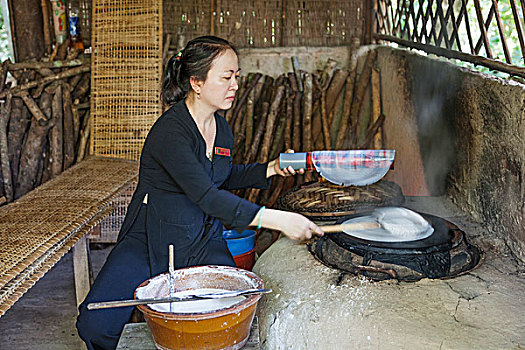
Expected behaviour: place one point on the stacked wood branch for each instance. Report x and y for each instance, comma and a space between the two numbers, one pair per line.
44, 116
306, 111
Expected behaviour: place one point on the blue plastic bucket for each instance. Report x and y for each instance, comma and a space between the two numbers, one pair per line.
239, 243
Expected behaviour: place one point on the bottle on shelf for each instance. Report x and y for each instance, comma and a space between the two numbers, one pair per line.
59, 20
85, 22
74, 25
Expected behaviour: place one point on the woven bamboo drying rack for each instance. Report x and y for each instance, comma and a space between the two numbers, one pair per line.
107, 230
40, 227
126, 73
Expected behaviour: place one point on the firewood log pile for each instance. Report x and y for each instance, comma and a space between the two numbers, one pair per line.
44, 119
326, 110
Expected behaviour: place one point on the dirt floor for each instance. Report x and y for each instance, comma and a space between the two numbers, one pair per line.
44, 318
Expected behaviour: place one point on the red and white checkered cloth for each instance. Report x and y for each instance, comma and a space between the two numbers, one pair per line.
353, 159
353, 167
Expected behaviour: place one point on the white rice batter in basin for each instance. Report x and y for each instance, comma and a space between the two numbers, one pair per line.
159, 288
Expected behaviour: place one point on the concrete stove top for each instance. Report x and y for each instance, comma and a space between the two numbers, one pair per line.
316, 307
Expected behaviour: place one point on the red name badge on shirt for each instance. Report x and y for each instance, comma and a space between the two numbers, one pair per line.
222, 151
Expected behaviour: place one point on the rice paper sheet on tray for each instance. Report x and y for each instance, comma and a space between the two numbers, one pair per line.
396, 225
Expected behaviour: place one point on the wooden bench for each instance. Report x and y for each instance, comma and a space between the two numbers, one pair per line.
137, 336
39, 228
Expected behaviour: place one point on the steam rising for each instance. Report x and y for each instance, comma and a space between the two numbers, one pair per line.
433, 95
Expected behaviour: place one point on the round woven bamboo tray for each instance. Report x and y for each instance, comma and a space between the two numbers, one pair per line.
325, 201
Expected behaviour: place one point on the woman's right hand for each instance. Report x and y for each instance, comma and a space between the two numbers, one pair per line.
293, 225
298, 228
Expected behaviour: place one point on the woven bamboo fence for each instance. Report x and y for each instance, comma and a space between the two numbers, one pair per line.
125, 76
254, 23
468, 30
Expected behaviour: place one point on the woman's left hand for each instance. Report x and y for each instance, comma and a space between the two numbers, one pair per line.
274, 168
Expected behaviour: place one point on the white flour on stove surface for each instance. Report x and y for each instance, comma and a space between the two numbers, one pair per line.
159, 288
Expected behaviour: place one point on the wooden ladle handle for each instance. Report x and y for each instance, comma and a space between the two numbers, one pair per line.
355, 226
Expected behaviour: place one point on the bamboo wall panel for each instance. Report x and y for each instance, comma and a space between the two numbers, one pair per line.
323, 22
256, 23
126, 75
186, 18
249, 23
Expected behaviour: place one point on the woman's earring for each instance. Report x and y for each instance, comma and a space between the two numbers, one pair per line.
198, 95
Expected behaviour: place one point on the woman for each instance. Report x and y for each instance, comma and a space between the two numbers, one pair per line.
182, 195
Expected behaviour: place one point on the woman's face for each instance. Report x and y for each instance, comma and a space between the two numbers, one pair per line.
221, 84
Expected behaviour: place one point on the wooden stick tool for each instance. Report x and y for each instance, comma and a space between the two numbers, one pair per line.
355, 226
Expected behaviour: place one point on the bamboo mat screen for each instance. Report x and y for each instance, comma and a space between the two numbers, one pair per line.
258, 22
323, 22
186, 17
255, 23
126, 75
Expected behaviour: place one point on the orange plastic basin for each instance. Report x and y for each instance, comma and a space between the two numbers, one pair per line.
227, 328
